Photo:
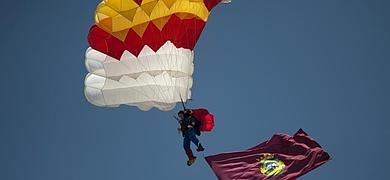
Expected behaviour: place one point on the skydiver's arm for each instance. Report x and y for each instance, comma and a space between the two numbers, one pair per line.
179, 129
193, 120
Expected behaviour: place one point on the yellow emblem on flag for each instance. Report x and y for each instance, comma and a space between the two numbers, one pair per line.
269, 165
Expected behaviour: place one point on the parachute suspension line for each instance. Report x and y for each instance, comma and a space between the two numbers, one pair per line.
173, 50
187, 77
182, 103
170, 53
177, 62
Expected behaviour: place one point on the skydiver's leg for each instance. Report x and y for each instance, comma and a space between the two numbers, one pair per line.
187, 149
191, 157
192, 137
195, 140
186, 143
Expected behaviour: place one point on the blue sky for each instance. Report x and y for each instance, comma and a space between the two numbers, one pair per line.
261, 67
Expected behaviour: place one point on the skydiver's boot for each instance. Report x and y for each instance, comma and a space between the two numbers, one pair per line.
191, 157
200, 148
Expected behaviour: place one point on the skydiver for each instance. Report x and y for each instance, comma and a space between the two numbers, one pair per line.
189, 126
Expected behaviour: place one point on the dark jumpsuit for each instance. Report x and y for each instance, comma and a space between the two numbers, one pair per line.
189, 133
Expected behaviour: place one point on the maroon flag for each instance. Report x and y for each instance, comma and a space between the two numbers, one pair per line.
283, 157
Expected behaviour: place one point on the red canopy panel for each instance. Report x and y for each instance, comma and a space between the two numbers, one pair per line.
184, 33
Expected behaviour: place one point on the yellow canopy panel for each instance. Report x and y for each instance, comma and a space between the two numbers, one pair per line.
121, 15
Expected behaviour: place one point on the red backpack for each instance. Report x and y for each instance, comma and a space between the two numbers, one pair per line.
205, 118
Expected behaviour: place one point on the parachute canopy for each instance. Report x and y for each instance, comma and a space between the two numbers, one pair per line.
141, 52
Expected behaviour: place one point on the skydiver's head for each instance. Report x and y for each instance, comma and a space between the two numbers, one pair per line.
188, 111
181, 114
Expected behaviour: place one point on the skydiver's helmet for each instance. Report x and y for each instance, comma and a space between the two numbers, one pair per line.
187, 113
181, 114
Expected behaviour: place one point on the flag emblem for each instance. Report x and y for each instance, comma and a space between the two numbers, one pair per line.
269, 165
